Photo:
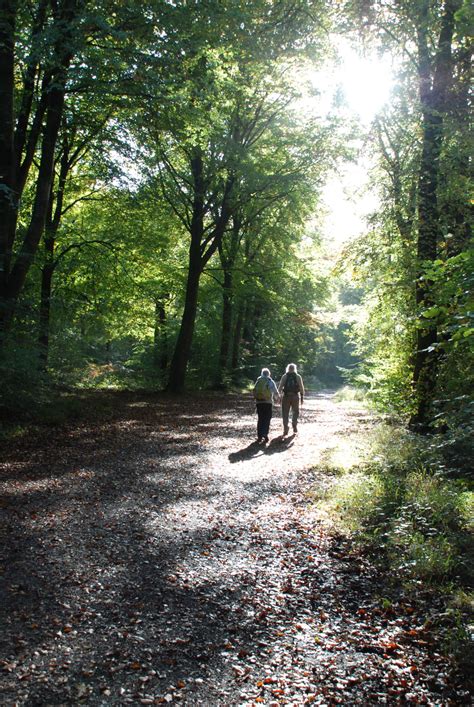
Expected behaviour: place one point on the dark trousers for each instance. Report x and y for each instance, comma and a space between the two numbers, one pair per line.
264, 412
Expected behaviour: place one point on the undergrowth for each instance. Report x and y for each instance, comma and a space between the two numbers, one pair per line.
401, 502
349, 394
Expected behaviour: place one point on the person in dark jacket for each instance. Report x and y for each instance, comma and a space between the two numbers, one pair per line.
291, 389
264, 391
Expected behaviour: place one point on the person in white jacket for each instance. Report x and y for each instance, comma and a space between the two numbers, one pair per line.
291, 389
264, 391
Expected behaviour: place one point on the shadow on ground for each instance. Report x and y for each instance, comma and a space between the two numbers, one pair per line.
131, 572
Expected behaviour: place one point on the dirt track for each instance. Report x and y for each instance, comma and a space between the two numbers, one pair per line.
162, 557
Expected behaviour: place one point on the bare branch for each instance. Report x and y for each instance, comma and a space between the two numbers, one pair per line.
87, 197
79, 246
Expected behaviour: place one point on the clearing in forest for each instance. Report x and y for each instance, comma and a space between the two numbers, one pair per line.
161, 556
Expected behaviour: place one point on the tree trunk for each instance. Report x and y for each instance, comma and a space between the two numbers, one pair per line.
14, 278
7, 45
424, 371
247, 332
179, 361
459, 209
182, 351
434, 84
53, 221
237, 339
201, 249
228, 251
42, 196
160, 343
227, 307
45, 313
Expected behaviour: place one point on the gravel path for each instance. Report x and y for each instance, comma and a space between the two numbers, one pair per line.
163, 557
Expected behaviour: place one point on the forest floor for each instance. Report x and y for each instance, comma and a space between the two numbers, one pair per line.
161, 556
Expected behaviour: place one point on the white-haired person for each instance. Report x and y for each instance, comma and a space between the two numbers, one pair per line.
291, 390
264, 391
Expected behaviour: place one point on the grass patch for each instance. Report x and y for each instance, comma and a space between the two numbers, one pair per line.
399, 502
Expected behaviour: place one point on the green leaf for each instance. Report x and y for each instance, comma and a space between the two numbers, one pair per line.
433, 312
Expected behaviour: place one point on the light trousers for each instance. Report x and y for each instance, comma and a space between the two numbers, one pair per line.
290, 401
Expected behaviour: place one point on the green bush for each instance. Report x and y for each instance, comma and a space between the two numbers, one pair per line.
401, 504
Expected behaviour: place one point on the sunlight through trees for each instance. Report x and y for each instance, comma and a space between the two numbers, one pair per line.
187, 195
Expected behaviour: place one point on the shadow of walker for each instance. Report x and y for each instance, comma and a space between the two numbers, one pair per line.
254, 449
280, 444
248, 452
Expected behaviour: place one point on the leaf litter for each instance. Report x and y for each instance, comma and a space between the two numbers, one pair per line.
162, 557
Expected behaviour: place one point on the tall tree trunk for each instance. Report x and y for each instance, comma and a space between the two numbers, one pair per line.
53, 221
179, 361
228, 250
424, 371
202, 248
434, 84
7, 47
160, 343
237, 339
459, 208
45, 312
41, 201
14, 278
247, 330
227, 307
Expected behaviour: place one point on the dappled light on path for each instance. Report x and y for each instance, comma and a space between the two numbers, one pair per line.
163, 556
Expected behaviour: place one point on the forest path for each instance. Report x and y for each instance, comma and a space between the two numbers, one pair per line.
161, 557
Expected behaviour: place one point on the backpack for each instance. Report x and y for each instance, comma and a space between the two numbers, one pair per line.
291, 383
262, 390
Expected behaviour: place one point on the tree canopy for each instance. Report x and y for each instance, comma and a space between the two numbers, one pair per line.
161, 199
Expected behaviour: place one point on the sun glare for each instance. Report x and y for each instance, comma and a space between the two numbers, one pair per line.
356, 87
366, 83
359, 85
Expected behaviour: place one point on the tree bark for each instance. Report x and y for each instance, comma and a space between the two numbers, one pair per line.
202, 248
160, 343
26, 137
42, 195
228, 251
7, 47
179, 361
45, 313
227, 309
53, 221
434, 83
14, 277
237, 339
459, 210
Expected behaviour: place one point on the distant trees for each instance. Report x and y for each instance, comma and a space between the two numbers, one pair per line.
229, 96
151, 159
